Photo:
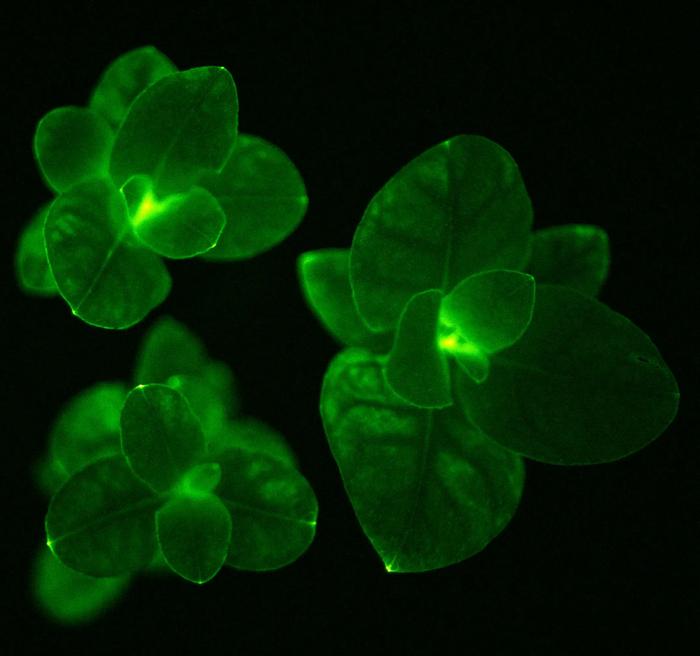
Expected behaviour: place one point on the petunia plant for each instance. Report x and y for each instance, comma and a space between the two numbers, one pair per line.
165, 476
152, 168
473, 343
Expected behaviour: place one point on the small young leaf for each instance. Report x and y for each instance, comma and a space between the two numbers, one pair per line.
416, 369
262, 195
69, 597
324, 276
583, 385
577, 256
88, 427
427, 487
31, 265
100, 522
178, 226
194, 534
72, 144
107, 278
179, 127
125, 78
273, 510
160, 435
168, 349
491, 309
458, 208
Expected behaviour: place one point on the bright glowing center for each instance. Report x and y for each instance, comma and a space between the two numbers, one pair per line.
148, 206
455, 345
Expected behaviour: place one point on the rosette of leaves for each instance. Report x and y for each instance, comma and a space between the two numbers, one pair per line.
165, 476
474, 343
152, 168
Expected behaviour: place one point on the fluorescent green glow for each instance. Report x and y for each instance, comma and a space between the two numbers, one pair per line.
200, 481
148, 207
454, 344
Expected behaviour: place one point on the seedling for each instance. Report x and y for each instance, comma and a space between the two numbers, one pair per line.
167, 475
473, 343
153, 167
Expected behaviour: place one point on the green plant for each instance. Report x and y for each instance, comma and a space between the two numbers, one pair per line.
166, 476
153, 166
473, 343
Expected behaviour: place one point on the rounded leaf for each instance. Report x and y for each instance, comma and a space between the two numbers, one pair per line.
32, 267
107, 278
458, 208
262, 195
583, 385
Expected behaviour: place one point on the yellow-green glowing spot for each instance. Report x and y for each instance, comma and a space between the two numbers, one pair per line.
455, 345
148, 206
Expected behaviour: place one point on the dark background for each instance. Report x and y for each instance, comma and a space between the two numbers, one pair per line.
600, 112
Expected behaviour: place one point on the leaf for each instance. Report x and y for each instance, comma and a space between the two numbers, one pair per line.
87, 428
69, 597
577, 256
273, 510
168, 349
125, 78
194, 534
583, 385
71, 145
179, 127
100, 522
160, 435
252, 435
459, 208
107, 278
416, 368
178, 226
427, 487
31, 265
324, 276
263, 196
491, 309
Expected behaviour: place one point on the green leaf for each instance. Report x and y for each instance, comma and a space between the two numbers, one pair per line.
253, 435
107, 278
100, 522
168, 349
577, 256
179, 127
490, 310
416, 368
273, 510
87, 428
583, 385
194, 534
459, 208
31, 265
178, 226
427, 487
71, 145
324, 276
160, 435
125, 78
262, 195
69, 597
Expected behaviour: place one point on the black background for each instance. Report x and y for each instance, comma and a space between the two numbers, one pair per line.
600, 112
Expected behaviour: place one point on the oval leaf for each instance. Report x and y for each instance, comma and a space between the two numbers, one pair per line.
427, 487
101, 523
32, 267
194, 534
125, 78
273, 510
577, 256
588, 385
160, 435
491, 309
262, 195
459, 208
107, 278
416, 368
72, 144
179, 127
324, 276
